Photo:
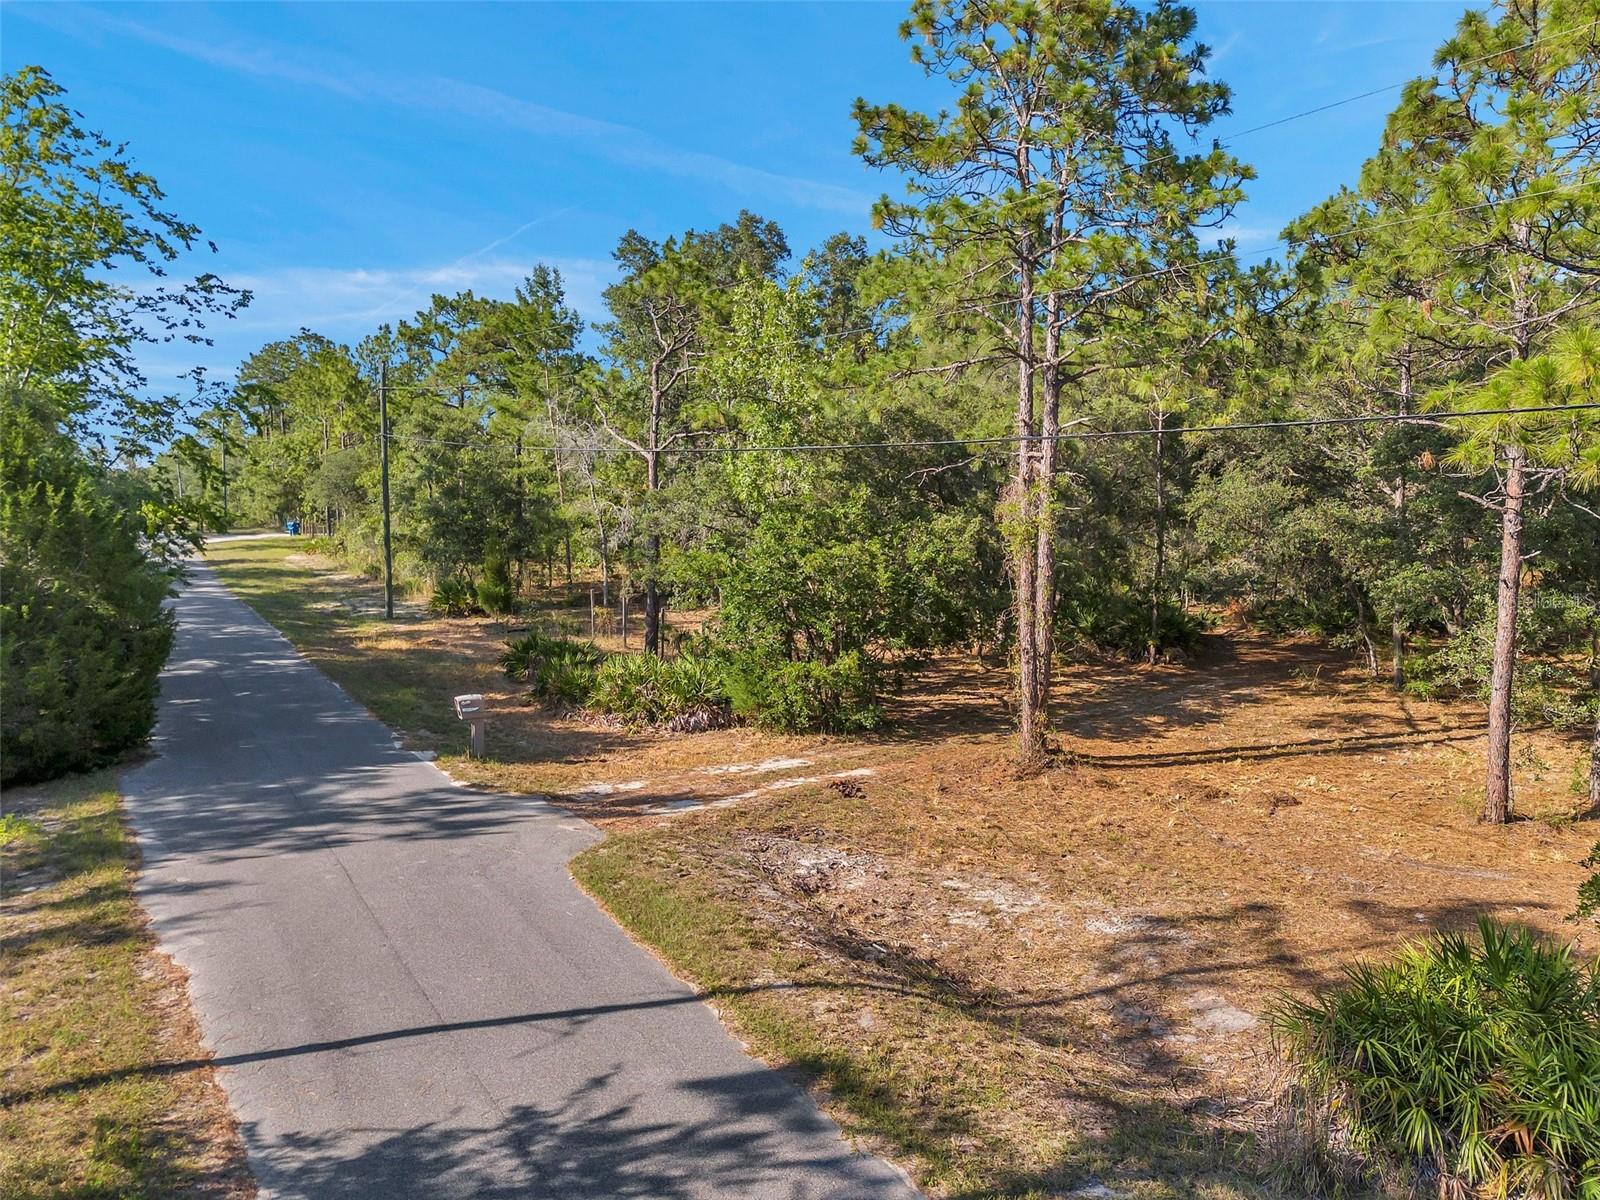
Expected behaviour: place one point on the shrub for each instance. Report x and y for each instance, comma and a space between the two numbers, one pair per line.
690, 681
1550, 685
628, 687
495, 593
1475, 1065
683, 693
1589, 890
454, 597
83, 633
792, 697
1117, 622
559, 670
694, 694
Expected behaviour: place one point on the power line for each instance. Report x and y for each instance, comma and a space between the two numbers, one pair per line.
1069, 435
1388, 87
1308, 112
1567, 184
1280, 245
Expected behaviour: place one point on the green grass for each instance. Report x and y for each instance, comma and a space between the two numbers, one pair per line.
931, 1083
656, 894
81, 1017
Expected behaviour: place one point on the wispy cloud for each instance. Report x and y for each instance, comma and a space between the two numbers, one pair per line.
348, 304
1368, 43
1220, 52
619, 143
1247, 235
351, 302
412, 290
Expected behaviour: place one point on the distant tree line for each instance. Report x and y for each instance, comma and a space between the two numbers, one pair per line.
1055, 274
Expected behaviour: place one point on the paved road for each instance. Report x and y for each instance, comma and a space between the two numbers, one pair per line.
405, 992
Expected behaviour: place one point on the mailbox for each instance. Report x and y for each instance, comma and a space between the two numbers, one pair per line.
470, 708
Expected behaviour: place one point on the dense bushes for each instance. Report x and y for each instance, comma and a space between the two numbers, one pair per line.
838, 696
84, 632
457, 596
682, 692
685, 692
698, 690
1118, 622
557, 670
1549, 683
1470, 1064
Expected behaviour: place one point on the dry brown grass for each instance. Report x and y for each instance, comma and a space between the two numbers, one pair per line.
1064, 973
1026, 985
106, 1090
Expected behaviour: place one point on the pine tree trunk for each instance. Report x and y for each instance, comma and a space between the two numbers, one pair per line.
652, 594
1497, 784
652, 605
1030, 721
1397, 629
561, 483
1593, 809
605, 555
1159, 567
1594, 763
1044, 577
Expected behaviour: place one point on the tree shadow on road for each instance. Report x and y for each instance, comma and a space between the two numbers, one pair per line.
591, 1145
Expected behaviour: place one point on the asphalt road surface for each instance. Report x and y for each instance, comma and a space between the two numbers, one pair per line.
405, 992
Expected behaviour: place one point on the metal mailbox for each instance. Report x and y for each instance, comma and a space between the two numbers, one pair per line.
471, 709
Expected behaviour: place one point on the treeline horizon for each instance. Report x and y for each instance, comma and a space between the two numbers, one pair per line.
1050, 271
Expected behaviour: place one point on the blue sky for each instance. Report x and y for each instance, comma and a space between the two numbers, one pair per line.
350, 159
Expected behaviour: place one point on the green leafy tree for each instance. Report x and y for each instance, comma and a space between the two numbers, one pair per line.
827, 568
83, 634
670, 297
527, 349
77, 217
89, 536
314, 420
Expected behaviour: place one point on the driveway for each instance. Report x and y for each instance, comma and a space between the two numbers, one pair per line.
405, 992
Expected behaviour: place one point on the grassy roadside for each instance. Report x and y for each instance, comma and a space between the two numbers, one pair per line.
87, 1009
405, 672
1042, 985
912, 1064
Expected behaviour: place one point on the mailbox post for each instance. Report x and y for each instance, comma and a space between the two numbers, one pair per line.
471, 710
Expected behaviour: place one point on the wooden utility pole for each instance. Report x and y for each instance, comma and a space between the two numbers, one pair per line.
383, 477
